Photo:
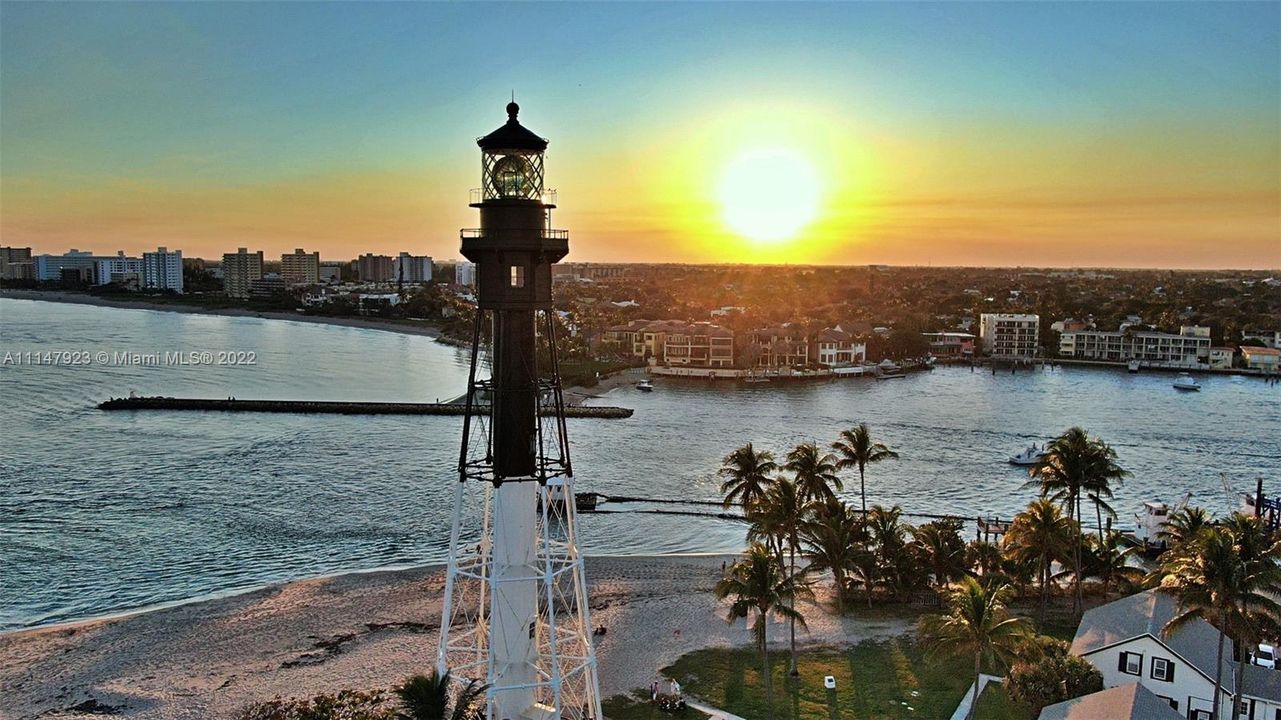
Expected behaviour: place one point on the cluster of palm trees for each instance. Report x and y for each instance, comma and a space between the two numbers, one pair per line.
1228, 574
800, 530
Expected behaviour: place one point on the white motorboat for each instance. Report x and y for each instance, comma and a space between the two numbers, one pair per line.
1132, 366
1186, 382
1031, 456
645, 386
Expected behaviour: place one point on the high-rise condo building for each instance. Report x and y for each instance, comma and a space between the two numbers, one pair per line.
162, 270
300, 268
1010, 336
239, 270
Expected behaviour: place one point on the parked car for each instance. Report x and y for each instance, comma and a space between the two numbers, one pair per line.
1265, 656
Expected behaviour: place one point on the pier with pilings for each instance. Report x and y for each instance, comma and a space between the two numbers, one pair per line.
232, 404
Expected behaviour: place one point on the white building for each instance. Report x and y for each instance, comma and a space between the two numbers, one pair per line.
1010, 336
1187, 349
465, 273
87, 267
118, 269
1261, 358
1125, 640
839, 348
415, 269
1269, 338
162, 270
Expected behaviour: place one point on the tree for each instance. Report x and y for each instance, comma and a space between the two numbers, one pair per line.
939, 545
831, 539
977, 623
778, 519
426, 697
1184, 524
1041, 533
815, 472
888, 535
747, 476
1212, 580
1254, 622
758, 584
1107, 560
857, 450
1074, 464
1052, 676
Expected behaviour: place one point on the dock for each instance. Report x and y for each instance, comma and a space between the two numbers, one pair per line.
337, 408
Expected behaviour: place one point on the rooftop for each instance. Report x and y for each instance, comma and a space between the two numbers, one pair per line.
1124, 702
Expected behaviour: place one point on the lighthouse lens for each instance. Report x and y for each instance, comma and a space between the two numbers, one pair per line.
512, 177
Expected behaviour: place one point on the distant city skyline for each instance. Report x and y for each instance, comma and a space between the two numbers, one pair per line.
1037, 134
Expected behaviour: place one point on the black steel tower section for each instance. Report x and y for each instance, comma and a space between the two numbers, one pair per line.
514, 249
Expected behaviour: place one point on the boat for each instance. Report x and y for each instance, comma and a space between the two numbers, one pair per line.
1031, 456
1186, 382
645, 386
888, 370
1132, 366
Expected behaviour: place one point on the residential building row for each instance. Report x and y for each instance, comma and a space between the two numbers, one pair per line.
706, 344
241, 269
159, 270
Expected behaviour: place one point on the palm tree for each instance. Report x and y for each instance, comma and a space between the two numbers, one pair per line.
1041, 532
815, 472
888, 535
856, 449
977, 622
831, 539
426, 697
778, 519
1212, 579
1254, 622
747, 476
983, 558
1075, 463
941, 549
1108, 561
1184, 524
759, 584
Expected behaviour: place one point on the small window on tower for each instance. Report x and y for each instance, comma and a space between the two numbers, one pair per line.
518, 276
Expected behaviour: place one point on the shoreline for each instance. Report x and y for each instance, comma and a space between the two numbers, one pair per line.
73, 298
359, 630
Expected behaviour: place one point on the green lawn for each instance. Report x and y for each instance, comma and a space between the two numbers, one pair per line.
883, 680
621, 707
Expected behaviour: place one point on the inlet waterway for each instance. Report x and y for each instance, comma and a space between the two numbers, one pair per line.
103, 512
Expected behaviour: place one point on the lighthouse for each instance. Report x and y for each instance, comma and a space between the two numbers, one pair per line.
515, 614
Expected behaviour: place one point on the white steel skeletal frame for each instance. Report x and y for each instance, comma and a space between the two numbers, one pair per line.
565, 672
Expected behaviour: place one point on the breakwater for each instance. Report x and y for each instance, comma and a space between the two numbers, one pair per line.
334, 408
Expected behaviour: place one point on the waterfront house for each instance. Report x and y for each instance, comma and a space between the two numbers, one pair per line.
836, 347
785, 345
1124, 639
1261, 358
1220, 358
950, 344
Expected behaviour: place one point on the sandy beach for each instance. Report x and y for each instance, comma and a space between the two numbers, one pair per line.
364, 631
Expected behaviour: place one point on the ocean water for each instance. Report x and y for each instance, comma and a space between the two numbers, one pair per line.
103, 512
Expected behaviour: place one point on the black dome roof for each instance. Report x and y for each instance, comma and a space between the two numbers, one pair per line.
512, 136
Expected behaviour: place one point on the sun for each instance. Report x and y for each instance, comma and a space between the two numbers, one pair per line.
769, 195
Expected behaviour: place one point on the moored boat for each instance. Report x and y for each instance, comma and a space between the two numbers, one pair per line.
645, 386
1031, 456
1132, 366
1186, 382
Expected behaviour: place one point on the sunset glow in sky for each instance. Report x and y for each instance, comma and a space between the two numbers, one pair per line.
1081, 134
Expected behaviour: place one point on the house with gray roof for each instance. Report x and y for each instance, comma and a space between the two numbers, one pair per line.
1124, 639
1124, 702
